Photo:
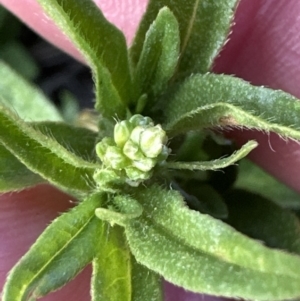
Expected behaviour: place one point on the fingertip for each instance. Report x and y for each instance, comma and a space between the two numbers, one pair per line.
23, 217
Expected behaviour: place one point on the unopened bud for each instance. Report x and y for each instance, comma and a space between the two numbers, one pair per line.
152, 141
131, 150
122, 132
145, 164
141, 120
115, 158
102, 146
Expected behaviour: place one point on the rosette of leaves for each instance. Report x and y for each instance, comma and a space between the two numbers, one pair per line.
176, 221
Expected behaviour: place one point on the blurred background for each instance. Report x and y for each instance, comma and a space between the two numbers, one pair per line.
65, 81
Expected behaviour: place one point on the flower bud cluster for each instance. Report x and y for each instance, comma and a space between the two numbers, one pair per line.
137, 146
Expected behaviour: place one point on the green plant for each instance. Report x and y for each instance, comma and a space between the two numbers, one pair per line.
150, 161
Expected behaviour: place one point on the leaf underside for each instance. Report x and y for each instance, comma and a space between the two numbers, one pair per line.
204, 255
221, 100
59, 254
218, 163
45, 156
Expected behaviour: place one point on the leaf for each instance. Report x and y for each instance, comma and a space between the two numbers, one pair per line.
203, 198
45, 156
23, 98
215, 164
17, 56
79, 141
205, 255
116, 275
204, 26
221, 100
252, 177
15, 176
112, 268
261, 219
146, 285
127, 209
104, 48
159, 55
59, 254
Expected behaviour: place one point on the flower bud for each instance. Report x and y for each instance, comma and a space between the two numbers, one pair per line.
105, 176
115, 158
141, 120
131, 150
102, 146
145, 164
152, 141
134, 174
130, 157
122, 132
136, 134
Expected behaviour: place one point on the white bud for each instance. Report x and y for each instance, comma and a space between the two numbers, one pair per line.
152, 141
145, 164
114, 158
140, 120
131, 150
102, 146
136, 134
122, 132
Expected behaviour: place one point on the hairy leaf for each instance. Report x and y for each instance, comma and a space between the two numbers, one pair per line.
116, 274
45, 156
252, 177
104, 48
160, 53
23, 98
215, 164
203, 198
205, 255
262, 219
79, 141
221, 100
14, 175
146, 285
59, 254
204, 26
112, 268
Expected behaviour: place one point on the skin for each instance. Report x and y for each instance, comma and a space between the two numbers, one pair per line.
264, 48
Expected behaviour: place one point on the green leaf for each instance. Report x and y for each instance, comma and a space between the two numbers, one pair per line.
146, 285
59, 254
205, 255
116, 274
17, 56
262, 219
221, 100
215, 164
204, 26
15, 176
128, 208
104, 48
203, 198
79, 141
23, 98
112, 268
252, 177
159, 55
45, 156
